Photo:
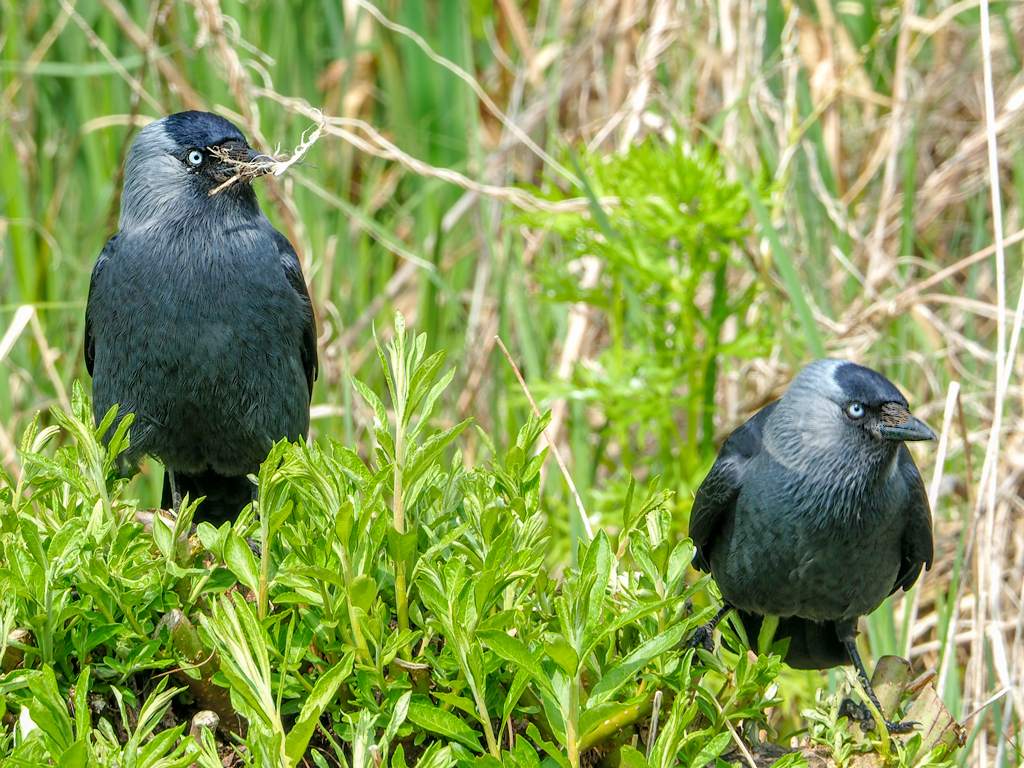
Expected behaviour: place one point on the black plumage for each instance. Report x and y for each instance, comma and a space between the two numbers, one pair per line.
198, 320
815, 512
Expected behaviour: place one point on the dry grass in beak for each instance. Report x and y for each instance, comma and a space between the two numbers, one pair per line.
246, 170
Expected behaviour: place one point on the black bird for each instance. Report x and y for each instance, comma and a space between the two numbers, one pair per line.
198, 320
815, 512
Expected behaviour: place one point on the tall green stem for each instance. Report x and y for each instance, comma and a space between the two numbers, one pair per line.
401, 596
572, 746
353, 617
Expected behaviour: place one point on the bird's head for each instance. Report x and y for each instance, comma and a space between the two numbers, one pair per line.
845, 404
840, 417
176, 162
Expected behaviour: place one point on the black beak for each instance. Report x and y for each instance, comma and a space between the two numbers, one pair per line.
258, 157
236, 155
911, 429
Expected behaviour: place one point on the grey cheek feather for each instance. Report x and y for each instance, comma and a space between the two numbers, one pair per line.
159, 193
805, 425
157, 186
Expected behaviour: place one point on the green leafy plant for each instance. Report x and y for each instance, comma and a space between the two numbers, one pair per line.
398, 611
676, 293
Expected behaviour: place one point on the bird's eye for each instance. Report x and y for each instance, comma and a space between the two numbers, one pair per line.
855, 411
195, 157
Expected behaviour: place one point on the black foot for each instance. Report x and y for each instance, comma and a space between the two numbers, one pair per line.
857, 713
703, 636
848, 635
895, 729
861, 714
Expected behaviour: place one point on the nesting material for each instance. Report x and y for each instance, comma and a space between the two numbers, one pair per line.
246, 170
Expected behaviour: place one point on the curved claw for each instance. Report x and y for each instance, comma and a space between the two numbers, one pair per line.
703, 636
899, 728
861, 714
857, 713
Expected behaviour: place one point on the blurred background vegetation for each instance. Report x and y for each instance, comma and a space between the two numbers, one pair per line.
663, 209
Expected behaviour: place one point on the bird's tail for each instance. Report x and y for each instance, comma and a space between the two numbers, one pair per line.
226, 496
812, 644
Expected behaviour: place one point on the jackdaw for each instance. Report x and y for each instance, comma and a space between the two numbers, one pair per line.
815, 512
198, 320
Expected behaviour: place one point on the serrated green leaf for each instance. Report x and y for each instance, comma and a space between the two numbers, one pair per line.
597, 565
318, 573
401, 546
371, 399
431, 447
512, 649
422, 380
353, 466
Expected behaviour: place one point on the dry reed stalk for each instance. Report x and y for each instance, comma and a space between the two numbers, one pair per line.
579, 324
948, 412
165, 65
879, 263
581, 510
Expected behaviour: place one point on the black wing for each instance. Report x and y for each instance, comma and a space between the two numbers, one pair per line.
293, 271
101, 262
918, 547
718, 493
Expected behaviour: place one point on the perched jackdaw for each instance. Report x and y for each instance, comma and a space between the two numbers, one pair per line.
814, 512
199, 321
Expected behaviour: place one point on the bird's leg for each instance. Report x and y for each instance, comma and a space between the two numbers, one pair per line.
704, 634
175, 492
862, 715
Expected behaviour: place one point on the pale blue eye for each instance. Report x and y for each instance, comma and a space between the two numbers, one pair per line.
195, 157
855, 411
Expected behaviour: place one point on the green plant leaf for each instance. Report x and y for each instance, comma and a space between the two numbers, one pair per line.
561, 652
715, 747
443, 723
512, 649
638, 658
632, 758
323, 693
241, 561
549, 749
